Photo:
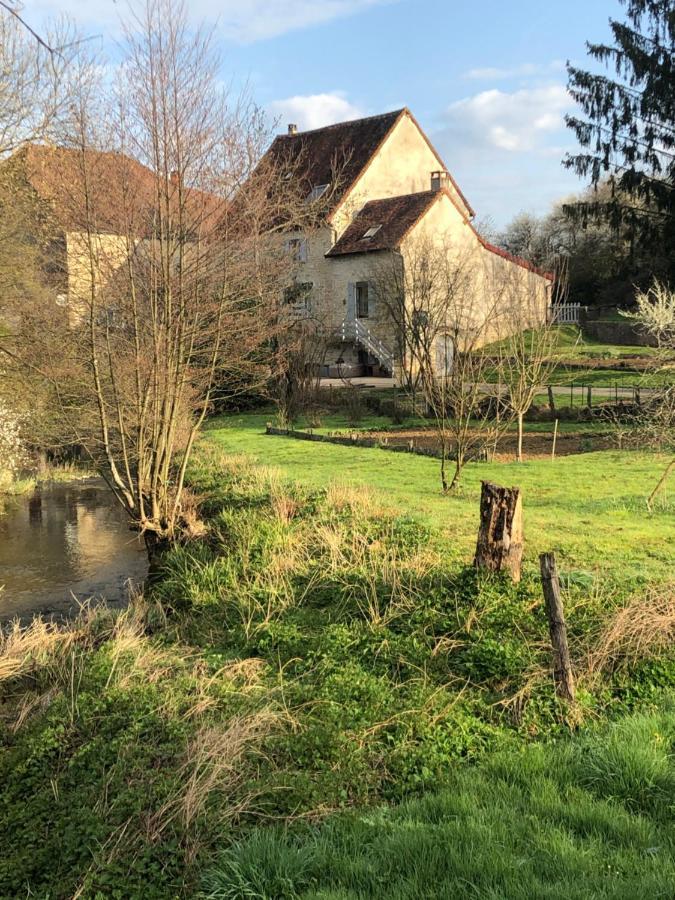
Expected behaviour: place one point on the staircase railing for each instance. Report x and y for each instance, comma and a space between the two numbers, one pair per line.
355, 330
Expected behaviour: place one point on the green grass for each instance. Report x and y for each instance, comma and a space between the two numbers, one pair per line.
331, 649
572, 344
606, 379
585, 818
14, 487
589, 508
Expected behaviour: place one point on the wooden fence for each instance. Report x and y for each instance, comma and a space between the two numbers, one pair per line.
566, 314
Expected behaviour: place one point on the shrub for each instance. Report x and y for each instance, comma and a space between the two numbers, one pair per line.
352, 405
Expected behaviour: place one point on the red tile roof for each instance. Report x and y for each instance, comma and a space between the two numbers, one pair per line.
346, 149
518, 260
121, 191
393, 217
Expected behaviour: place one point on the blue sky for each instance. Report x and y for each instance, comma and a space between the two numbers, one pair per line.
486, 80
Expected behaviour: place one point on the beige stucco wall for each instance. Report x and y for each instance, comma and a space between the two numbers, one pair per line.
403, 165
330, 279
499, 296
109, 251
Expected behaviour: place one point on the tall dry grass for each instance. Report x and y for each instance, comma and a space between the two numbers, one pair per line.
217, 759
642, 629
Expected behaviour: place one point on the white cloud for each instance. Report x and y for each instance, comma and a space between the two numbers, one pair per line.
517, 121
255, 20
524, 70
505, 149
315, 110
243, 21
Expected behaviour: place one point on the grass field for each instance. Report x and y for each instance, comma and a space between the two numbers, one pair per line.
571, 344
589, 508
322, 698
583, 819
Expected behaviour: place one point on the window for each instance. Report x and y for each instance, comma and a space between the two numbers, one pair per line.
297, 247
371, 231
361, 300
317, 192
298, 296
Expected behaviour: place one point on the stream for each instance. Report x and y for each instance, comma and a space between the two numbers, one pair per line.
64, 543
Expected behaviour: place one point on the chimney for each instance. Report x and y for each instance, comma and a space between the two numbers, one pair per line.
439, 180
292, 128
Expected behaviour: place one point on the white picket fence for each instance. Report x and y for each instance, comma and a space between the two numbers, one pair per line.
566, 313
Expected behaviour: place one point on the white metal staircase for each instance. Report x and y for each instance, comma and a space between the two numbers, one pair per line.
355, 330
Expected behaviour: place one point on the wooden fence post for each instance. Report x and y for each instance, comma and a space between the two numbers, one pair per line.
500, 536
562, 667
555, 437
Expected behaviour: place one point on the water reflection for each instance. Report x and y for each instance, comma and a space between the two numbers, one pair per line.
65, 541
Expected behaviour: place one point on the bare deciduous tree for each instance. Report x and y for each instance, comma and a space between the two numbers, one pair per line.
527, 355
34, 78
655, 315
300, 348
174, 267
444, 311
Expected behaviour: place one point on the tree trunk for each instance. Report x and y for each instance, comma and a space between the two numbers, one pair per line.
156, 547
519, 455
459, 462
500, 537
562, 667
551, 400
444, 480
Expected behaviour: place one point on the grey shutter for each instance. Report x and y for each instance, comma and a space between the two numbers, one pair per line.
351, 301
444, 355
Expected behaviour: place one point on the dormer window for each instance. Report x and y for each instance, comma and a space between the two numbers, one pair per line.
372, 231
317, 192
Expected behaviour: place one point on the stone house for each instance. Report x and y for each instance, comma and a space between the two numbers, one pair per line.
71, 200
387, 193
87, 212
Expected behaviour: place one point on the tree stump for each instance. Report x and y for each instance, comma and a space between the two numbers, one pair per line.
562, 666
500, 537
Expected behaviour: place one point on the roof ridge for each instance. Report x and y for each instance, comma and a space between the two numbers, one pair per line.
512, 257
394, 112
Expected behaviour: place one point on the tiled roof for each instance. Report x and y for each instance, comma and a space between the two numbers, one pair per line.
57, 176
393, 218
121, 192
345, 149
518, 260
